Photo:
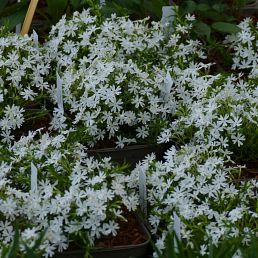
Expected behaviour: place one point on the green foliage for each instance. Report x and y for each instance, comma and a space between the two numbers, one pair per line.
249, 150
212, 17
136, 9
12, 14
226, 248
174, 248
56, 9
12, 251
225, 27
252, 250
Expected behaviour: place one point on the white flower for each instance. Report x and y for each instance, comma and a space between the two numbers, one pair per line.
28, 94
110, 228
165, 136
238, 139
142, 132
203, 250
235, 214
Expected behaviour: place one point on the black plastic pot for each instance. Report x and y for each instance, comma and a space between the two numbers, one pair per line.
131, 251
127, 251
130, 154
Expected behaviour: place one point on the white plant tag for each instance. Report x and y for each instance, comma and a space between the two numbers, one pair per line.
33, 178
18, 26
177, 226
168, 16
167, 86
102, 2
177, 230
143, 191
35, 38
59, 94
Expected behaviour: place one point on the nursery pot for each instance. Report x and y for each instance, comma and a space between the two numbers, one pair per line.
129, 154
125, 251
132, 250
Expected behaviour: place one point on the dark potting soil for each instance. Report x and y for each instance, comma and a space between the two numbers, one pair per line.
33, 125
250, 171
130, 233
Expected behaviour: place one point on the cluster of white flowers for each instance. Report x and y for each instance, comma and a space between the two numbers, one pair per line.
128, 82
217, 120
116, 77
73, 193
245, 45
23, 70
220, 115
197, 185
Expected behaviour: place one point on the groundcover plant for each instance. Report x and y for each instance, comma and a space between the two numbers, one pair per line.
52, 184
126, 82
23, 68
116, 76
196, 180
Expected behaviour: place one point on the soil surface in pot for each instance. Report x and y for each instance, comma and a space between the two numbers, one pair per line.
249, 170
33, 124
129, 233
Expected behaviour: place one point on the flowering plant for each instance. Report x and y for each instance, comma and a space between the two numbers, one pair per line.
244, 46
52, 184
23, 68
195, 184
220, 110
125, 82
195, 180
117, 77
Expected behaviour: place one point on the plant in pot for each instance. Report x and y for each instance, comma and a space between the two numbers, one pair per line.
117, 78
221, 110
52, 184
194, 183
225, 120
23, 94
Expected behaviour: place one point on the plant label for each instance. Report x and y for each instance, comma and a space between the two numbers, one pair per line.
59, 94
18, 26
35, 38
177, 230
102, 2
168, 16
177, 225
33, 178
143, 190
167, 86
